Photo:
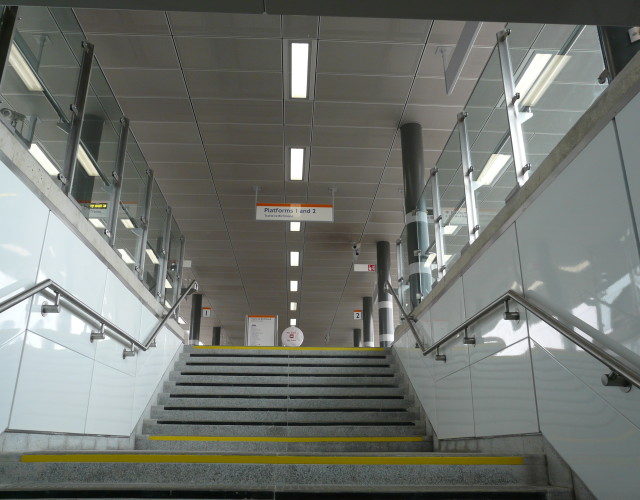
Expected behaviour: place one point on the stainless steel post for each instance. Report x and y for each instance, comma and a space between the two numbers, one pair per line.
164, 258
118, 176
144, 221
437, 227
77, 118
511, 97
473, 225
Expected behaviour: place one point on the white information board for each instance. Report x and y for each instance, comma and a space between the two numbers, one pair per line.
292, 336
294, 212
261, 331
364, 268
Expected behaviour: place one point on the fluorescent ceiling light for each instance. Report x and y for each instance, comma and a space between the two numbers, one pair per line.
532, 73
181, 321
293, 306
430, 258
293, 321
42, 159
450, 229
125, 256
294, 226
492, 168
97, 223
294, 258
299, 70
549, 74
296, 164
167, 284
293, 286
86, 162
24, 71
152, 256
127, 223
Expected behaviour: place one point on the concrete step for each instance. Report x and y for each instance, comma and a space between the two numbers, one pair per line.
284, 380
320, 430
283, 391
167, 400
282, 445
284, 360
283, 416
300, 352
189, 368
254, 471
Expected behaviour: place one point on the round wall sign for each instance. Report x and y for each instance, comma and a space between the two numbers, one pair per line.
292, 337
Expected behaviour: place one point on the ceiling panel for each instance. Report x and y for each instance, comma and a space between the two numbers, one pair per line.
351, 58
261, 155
129, 82
124, 51
370, 29
174, 132
153, 109
231, 54
238, 111
134, 22
222, 24
357, 114
234, 84
247, 134
356, 88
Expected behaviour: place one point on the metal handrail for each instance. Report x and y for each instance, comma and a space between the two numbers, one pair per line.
612, 361
99, 318
389, 289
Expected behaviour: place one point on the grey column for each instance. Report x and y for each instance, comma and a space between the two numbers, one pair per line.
196, 315
385, 304
357, 337
367, 322
415, 209
215, 340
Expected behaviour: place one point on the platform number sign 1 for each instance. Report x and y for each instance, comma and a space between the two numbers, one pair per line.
357, 314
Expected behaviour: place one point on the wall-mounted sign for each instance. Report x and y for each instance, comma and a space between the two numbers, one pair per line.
292, 337
357, 314
98, 210
364, 268
261, 330
206, 312
294, 212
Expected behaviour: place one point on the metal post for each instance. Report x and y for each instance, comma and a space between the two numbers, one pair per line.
385, 305
367, 322
437, 226
467, 169
513, 113
215, 339
77, 118
164, 258
118, 176
357, 337
180, 263
144, 222
7, 30
196, 315
416, 211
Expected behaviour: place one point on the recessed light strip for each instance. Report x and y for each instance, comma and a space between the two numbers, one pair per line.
24, 70
300, 70
296, 164
294, 259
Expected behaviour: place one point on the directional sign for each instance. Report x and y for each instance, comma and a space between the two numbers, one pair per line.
364, 268
357, 314
294, 212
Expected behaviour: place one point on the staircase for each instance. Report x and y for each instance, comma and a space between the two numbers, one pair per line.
280, 423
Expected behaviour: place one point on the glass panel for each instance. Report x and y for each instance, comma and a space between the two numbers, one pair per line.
428, 264
154, 240
452, 200
403, 274
560, 71
174, 257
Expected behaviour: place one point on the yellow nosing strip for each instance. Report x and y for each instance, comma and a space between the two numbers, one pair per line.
264, 439
291, 348
269, 459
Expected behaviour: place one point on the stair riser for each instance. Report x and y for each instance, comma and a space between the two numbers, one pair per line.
291, 353
282, 416
237, 476
150, 427
296, 380
285, 370
283, 360
337, 404
262, 447
263, 391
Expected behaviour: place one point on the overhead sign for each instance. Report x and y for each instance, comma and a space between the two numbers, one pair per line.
364, 268
357, 314
294, 212
292, 337
261, 330
97, 210
206, 312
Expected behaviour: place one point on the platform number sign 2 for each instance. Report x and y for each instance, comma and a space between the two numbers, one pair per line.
357, 314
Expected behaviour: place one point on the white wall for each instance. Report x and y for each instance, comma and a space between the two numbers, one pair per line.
575, 250
52, 378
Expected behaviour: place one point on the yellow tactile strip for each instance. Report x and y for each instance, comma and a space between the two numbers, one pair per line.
270, 459
290, 348
269, 439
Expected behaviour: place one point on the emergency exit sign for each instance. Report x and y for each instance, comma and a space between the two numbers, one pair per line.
364, 268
